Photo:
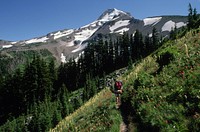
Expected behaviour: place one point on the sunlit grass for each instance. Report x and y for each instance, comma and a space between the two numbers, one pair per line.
98, 114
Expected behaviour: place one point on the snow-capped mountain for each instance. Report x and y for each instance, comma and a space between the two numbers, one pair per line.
68, 43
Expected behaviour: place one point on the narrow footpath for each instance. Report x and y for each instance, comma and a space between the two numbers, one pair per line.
124, 124
127, 124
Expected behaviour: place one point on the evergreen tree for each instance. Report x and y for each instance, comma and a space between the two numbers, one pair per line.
131, 46
149, 45
125, 49
110, 63
56, 117
100, 50
173, 33
155, 39
63, 97
18, 91
44, 80
89, 58
52, 71
90, 88
81, 71
31, 84
117, 58
135, 49
142, 46
106, 56
61, 72
192, 18
71, 75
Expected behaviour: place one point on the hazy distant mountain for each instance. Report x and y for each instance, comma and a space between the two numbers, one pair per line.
67, 43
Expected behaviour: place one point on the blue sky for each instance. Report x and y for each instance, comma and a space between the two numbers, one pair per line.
26, 19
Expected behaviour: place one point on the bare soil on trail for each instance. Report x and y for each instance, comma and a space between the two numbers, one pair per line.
124, 123
123, 127
127, 124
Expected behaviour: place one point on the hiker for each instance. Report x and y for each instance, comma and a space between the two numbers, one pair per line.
117, 90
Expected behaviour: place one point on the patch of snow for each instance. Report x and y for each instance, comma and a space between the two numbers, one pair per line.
134, 33
13, 42
63, 58
150, 21
119, 24
80, 47
150, 35
36, 40
60, 34
84, 34
99, 23
7, 46
180, 24
69, 44
168, 26
79, 55
121, 31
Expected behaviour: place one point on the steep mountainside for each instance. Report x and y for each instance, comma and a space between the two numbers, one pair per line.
161, 93
68, 43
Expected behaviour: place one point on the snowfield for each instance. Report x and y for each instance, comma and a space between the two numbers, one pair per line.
84, 35
168, 26
14, 42
80, 47
151, 21
121, 31
69, 44
36, 40
60, 34
119, 24
180, 24
7, 46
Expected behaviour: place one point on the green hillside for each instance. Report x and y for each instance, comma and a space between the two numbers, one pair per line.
98, 114
162, 93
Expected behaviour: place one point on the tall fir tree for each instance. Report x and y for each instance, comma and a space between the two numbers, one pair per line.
193, 18
155, 39
125, 49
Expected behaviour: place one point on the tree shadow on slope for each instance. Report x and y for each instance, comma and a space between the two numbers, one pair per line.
163, 60
128, 116
132, 121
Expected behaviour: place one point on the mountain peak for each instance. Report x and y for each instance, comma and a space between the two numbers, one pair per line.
110, 14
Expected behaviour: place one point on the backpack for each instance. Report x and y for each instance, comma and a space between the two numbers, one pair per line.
118, 85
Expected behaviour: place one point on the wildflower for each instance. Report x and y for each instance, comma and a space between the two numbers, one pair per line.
182, 74
185, 96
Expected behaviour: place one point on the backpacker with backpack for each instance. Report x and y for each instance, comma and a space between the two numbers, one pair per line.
118, 86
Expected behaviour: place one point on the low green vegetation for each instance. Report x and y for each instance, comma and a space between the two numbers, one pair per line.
98, 114
165, 94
